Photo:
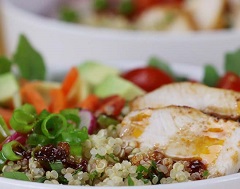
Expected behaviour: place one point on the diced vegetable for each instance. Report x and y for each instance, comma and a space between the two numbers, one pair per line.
111, 105
115, 85
94, 73
91, 103
87, 120
21, 138
105, 121
58, 101
32, 96
8, 87
230, 81
147, 78
69, 80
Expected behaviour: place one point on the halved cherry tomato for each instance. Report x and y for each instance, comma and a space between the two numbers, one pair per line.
112, 105
230, 81
148, 78
141, 5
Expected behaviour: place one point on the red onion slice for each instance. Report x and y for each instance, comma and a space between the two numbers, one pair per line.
21, 138
87, 120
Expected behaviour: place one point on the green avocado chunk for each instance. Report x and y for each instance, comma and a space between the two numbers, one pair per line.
115, 85
94, 73
9, 88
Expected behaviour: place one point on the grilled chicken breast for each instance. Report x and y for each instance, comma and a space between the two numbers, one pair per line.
220, 102
183, 132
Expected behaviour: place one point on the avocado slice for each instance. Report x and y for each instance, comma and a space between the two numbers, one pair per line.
115, 85
9, 89
94, 73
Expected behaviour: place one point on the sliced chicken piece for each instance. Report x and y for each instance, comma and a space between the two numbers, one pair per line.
165, 19
219, 102
183, 132
207, 14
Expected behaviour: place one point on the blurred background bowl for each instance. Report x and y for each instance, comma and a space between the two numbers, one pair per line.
64, 44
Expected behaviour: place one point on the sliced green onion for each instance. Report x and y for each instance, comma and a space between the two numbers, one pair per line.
53, 125
99, 156
72, 116
75, 136
4, 131
28, 108
62, 179
37, 128
3, 160
23, 119
35, 139
76, 150
8, 152
16, 175
141, 169
41, 179
57, 166
130, 181
105, 121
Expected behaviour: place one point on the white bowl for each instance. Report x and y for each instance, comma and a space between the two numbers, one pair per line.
229, 181
68, 44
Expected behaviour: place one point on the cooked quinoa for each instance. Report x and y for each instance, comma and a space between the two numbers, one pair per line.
108, 160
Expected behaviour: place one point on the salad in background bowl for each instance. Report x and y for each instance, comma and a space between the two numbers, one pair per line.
164, 15
66, 44
101, 126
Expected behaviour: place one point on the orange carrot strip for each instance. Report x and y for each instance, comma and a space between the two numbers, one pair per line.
31, 95
58, 101
69, 80
6, 114
91, 103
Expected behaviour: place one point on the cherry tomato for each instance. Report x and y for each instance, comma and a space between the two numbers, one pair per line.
230, 81
148, 78
112, 105
142, 5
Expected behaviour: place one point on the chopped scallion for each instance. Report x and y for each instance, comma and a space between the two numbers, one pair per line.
8, 151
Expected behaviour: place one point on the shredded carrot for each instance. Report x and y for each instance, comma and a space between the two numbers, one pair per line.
91, 103
31, 95
6, 114
69, 80
58, 100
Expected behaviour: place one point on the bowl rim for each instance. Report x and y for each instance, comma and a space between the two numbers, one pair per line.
115, 33
199, 183
124, 34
